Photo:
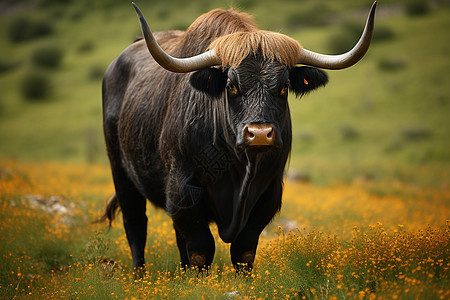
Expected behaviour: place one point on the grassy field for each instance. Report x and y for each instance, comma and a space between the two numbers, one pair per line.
364, 240
367, 200
387, 115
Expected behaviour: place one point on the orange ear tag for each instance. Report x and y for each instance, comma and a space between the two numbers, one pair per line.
305, 81
209, 79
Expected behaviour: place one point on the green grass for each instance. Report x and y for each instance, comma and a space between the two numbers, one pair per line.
368, 239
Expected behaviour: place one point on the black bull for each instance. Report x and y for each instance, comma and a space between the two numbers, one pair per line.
210, 145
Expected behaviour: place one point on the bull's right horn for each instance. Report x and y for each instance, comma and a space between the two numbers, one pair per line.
342, 61
168, 62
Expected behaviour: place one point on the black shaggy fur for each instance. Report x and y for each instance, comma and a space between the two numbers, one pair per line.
182, 141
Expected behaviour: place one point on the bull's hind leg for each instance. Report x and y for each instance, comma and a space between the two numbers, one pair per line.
133, 206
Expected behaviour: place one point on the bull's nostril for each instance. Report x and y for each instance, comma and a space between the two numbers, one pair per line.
269, 134
248, 134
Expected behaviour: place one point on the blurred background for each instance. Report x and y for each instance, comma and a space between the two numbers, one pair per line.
387, 118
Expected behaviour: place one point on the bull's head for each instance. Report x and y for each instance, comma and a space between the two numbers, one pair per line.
258, 70
257, 92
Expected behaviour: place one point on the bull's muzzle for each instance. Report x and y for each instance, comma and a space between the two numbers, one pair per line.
259, 136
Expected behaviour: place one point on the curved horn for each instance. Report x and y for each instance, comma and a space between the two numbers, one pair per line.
342, 61
179, 65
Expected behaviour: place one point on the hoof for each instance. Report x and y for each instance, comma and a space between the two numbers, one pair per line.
198, 259
248, 257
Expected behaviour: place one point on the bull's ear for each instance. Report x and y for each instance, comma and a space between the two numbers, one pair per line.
211, 81
305, 79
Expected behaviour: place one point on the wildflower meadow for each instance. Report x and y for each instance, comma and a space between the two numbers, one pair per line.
362, 240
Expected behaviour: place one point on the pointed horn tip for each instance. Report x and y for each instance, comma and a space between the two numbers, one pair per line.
338, 62
372, 9
371, 18
136, 8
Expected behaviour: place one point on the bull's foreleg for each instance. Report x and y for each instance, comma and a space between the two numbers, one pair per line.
243, 249
196, 246
181, 243
194, 239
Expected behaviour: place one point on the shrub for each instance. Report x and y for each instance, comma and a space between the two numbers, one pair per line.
6, 65
48, 56
341, 42
85, 46
349, 132
382, 33
391, 64
77, 15
96, 72
246, 4
35, 85
51, 3
23, 28
416, 133
316, 15
351, 31
417, 7
53, 254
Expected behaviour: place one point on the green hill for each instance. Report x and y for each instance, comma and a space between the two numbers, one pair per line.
385, 118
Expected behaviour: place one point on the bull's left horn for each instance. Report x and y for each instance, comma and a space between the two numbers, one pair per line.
179, 65
342, 61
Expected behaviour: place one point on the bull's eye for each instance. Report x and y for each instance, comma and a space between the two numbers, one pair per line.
284, 91
233, 90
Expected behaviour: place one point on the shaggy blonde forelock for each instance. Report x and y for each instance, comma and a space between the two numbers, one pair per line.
233, 48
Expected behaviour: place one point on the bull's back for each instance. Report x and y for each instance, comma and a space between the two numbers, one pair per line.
132, 71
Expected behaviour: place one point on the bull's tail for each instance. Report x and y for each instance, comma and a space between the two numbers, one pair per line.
110, 210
